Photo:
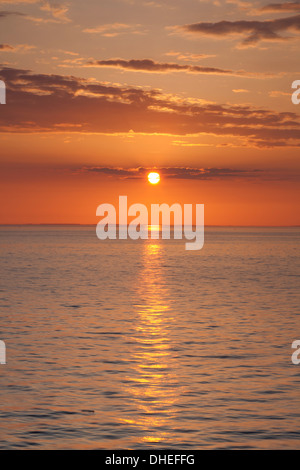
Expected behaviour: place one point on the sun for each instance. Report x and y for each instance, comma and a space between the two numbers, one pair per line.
154, 178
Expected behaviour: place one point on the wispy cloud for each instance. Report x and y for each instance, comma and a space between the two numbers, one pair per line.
277, 93
112, 30
183, 173
240, 90
57, 10
17, 48
279, 7
6, 47
12, 2
58, 103
188, 56
7, 14
253, 31
150, 66
241, 4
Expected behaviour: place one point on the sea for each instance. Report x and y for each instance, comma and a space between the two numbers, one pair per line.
122, 344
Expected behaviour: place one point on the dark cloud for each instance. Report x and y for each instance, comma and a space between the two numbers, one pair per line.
286, 6
5, 14
174, 172
6, 47
255, 31
268, 144
57, 103
148, 65
58, 12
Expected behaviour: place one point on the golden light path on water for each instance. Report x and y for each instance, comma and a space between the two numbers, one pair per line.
154, 387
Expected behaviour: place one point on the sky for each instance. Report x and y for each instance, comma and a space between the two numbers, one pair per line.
99, 93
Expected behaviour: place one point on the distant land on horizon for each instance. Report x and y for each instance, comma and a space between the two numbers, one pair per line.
117, 225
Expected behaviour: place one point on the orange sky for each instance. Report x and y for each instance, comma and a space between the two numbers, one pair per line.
102, 92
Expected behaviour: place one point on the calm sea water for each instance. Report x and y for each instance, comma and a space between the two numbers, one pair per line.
125, 344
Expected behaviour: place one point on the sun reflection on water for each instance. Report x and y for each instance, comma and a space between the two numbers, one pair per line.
153, 385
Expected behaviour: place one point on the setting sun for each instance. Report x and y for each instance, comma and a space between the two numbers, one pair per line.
154, 178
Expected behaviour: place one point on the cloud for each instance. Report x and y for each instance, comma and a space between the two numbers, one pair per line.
182, 143
112, 30
279, 7
183, 173
17, 48
240, 90
6, 47
11, 2
58, 103
254, 31
152, 4
277, 93
242, 5
187, 173
189, 56
150, 66
5, 14
58, 11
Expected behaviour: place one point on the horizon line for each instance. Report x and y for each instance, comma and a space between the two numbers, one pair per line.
117, 225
